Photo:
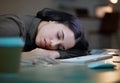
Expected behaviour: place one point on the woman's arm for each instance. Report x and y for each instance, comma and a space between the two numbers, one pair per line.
72, 53
40, 54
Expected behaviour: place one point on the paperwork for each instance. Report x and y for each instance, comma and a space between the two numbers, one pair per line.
86, 59
96, 55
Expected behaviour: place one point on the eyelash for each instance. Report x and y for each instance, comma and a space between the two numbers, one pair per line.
59, 46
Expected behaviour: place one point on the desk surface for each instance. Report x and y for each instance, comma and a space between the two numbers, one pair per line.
64, 72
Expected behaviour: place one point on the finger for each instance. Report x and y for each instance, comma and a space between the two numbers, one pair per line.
50, 60
38, 61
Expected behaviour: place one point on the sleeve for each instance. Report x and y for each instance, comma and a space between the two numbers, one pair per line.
72, 53
80, 49
9, 26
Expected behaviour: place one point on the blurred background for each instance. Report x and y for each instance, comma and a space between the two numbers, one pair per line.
100, 18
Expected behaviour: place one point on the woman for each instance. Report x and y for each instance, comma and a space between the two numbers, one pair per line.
49, 35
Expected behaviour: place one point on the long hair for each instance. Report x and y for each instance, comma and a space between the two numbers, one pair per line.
70, 20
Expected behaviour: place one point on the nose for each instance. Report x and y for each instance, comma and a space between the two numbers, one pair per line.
55, 43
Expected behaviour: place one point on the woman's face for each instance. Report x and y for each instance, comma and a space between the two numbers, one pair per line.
53, 35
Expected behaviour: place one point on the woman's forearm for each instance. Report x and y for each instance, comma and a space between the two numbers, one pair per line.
41, 55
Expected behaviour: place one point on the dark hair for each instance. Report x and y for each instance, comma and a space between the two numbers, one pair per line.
70, 20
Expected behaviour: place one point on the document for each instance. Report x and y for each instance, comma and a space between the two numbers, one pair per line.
86, 59
96, 55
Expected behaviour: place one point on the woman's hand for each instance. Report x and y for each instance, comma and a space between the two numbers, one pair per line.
39, 55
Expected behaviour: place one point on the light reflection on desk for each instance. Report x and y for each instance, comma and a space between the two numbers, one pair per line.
108, 77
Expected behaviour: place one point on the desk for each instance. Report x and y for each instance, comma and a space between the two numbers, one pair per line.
63, 73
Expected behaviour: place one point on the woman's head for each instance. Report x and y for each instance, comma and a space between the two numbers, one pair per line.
63, 23
55, 38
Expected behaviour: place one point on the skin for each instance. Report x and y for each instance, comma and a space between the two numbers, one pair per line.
53, 35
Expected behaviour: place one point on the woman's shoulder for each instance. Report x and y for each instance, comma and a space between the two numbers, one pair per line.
15, 16
8, 16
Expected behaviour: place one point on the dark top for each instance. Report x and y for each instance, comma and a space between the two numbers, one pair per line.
26, 27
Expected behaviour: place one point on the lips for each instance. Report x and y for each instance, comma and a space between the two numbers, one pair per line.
45, 42
46, 45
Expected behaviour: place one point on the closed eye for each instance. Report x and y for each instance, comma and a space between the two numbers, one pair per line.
60, 35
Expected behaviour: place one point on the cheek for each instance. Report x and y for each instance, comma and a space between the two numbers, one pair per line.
50, 34
38, 38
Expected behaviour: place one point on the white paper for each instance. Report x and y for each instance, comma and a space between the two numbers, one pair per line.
97, 56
